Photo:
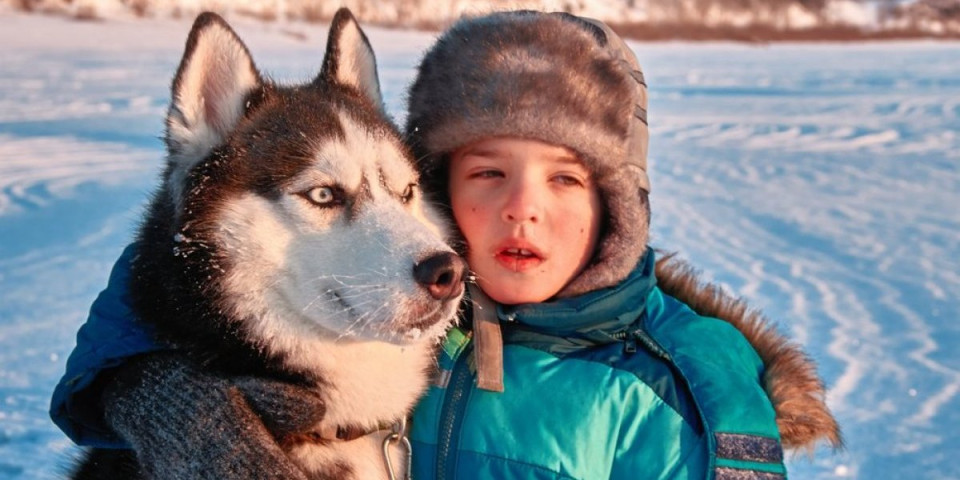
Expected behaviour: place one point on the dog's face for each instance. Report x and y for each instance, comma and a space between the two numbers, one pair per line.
334, 242
302, 202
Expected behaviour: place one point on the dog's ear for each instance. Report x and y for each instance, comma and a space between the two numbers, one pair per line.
349, 59
209, 90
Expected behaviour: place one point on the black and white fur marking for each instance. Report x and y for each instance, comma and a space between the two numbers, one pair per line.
289, 239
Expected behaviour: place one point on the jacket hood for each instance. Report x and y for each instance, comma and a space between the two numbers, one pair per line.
790, 377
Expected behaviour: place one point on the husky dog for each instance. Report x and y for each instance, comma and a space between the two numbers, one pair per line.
289, 240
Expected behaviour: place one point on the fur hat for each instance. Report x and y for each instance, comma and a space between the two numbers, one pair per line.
552, 77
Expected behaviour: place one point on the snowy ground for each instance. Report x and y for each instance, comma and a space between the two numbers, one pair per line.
813, 179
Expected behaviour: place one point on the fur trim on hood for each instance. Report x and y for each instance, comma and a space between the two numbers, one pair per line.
790, 379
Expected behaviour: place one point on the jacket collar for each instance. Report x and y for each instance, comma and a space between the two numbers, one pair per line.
594, 318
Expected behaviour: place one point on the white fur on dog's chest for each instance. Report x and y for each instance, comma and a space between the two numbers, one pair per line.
373, 382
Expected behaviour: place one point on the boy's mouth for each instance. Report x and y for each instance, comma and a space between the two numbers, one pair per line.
518, 259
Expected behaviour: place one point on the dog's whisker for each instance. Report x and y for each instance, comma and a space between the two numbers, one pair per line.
315, 299
349, 330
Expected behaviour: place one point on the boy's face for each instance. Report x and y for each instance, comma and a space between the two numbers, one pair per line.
530, 213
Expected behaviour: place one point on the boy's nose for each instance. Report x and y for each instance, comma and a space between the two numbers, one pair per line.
522, 205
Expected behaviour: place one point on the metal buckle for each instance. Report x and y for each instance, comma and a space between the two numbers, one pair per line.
398, 435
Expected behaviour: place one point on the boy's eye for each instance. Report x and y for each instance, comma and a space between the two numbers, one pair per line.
569, 180
491, 173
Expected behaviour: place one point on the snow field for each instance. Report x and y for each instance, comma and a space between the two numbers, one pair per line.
818, 181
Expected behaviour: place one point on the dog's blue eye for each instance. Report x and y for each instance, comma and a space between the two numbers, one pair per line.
322, 196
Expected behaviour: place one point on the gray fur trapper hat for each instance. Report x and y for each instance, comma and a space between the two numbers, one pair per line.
552, 77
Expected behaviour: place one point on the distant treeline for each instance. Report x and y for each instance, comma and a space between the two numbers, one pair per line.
744, 20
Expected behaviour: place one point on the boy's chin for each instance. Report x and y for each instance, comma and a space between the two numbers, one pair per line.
513, 292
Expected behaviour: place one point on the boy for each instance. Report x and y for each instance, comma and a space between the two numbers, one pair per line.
572, 361
532, 128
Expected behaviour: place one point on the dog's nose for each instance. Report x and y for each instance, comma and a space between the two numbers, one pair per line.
441, 274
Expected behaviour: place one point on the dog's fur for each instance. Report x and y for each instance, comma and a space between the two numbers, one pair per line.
289, 239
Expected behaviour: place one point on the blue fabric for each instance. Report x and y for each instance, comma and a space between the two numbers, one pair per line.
620, 383
579, 401
109, 337
568, 325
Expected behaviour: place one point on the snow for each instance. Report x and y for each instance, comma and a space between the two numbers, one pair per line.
819, 181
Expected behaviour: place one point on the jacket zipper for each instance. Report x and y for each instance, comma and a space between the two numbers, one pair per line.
630, 339
454, 403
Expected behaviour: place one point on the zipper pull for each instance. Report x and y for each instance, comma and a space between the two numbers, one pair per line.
630, 344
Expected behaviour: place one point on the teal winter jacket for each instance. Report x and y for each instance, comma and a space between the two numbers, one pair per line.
621, 383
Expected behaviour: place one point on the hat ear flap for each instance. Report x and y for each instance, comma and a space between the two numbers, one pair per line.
349, 59
639, 135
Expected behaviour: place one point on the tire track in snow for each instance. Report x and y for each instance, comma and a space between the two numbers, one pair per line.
37, 170
850, 315
810, 221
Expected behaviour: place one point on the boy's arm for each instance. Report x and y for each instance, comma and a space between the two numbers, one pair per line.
109, 338
123, 389
185, 423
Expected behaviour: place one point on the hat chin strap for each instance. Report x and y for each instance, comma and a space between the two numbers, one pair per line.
487, 341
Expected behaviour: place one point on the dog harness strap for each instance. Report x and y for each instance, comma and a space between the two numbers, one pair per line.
488, 341
345, 433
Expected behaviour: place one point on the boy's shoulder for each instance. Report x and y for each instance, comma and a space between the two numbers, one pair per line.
676, 326
725, 375
724, 332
